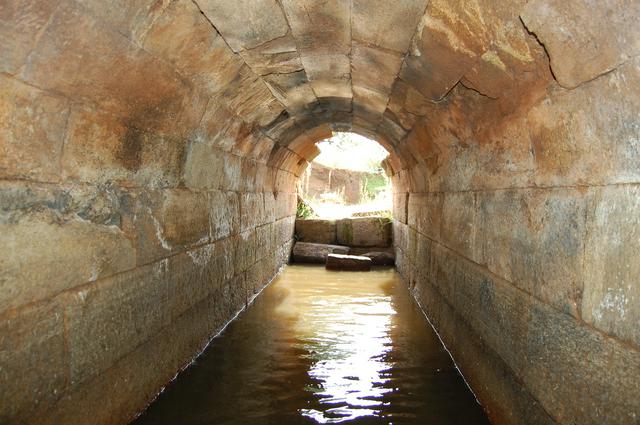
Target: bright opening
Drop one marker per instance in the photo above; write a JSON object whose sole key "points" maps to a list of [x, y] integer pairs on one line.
{"points": [[346, 180]]}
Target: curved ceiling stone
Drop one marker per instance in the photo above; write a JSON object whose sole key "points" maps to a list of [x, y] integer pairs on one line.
{"points": [[361, 65]]}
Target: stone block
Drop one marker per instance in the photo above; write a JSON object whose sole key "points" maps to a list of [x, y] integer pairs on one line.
{"points": [[380, 258], [245, 251], [365, 231], [246, 24], [169, 220], [192, 277], [611, 295], [251, 210], [316, 231], [224, 214], [104, 67], [390, 28], [21, 22], [185, 38], [305, 252], [33, 361], [348, 262], [264, 241], [460, 225], [535, 240], [32, 131], [225, 252], [578, 363], [110, 318], [42, 258], [101, 148], [586, 47]]}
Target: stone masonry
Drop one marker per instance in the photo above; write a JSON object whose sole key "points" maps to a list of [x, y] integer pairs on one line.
{"points": [[149, 153]]}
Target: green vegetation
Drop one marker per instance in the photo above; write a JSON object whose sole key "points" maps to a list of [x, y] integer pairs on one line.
{"points": [[304, 210], [373, 185]]}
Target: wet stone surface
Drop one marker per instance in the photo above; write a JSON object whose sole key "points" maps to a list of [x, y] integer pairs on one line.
{"points": [[323, 347]]}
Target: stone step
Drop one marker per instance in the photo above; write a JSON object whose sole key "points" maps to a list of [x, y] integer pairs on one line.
{"points": [[348, 262], [305, 252]]}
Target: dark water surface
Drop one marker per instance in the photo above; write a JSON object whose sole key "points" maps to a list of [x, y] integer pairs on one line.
{"points": [[323, 347]]}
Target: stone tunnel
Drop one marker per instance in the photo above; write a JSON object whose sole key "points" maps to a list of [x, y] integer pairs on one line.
{"points": [[149, 153]]}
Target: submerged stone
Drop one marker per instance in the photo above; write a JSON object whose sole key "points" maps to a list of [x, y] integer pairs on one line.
{"points": [[348, 262]]}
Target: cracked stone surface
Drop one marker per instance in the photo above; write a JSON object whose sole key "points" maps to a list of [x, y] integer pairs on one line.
{"points": [[149, 153]]}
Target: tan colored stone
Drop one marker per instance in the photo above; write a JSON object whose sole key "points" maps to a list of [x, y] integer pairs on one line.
{"points": [[246, 24], [364, 232], [33, 360], [306, 252], [100, 148], [224, 214], [184, 37], [348, 262], [374, 22], [21, 23], [32, 128], [611, 295], [83, 251], [316, 231], [110, 318], [587, 44]]}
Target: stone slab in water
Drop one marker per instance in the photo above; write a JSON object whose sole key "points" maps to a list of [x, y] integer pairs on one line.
{"points": [[380, 258], [305, 252], [348, 262]]}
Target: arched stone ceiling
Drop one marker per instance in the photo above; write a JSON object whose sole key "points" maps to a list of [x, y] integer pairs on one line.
{"points": [[369, 66]]}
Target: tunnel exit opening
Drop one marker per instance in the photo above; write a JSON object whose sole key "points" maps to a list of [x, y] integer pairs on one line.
{"points": [[346, 179]]}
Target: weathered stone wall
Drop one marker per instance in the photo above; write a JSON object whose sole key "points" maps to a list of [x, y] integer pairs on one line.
{"points": [[519, 231], [138, 208], [149, 151]]}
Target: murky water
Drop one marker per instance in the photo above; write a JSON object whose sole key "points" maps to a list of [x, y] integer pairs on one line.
{"points": [[323, 347]]}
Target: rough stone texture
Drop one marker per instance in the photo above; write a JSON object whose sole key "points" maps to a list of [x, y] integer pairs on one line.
{"points": [[364, 231], [316, 231], [581, 47], [348, 262], [168, 136], [380, 258], [305, 252]]}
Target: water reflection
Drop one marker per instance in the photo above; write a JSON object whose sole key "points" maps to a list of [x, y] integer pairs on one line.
{"points": [[323, 347]]}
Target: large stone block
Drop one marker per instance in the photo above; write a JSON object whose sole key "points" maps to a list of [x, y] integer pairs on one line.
{"points": [[32, 131], [246, 24], [365, 231], [535, 240], [306, 252], [105, 68], [193, 276], [168, 221], [33, 360], [110, 318], [391, 28], [101, 148], [316, 231], [21, 22], [611, 295], [251, 210], [42, 258], [224, 214], [581, 45], [348, 262], [589, 374], [460, 224], [184, 37], [245, 251]]}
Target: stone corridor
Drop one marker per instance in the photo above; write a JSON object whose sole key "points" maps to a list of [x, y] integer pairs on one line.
{"points": [[149, 153]]}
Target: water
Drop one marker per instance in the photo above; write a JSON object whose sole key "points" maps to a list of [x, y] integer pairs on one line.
{"points": [[323, 347]]}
